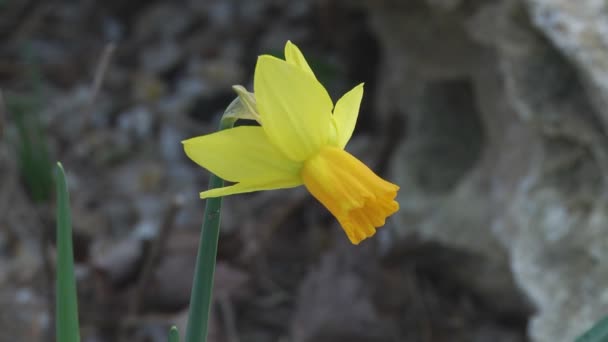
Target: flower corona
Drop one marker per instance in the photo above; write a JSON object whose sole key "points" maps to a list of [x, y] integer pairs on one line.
{"points": [[300, 141]]}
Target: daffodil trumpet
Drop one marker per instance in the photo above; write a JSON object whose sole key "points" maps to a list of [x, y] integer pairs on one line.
{"points": [[300, 141]]}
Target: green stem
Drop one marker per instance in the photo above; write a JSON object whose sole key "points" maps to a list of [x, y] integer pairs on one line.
{"points": [[202, 286]]}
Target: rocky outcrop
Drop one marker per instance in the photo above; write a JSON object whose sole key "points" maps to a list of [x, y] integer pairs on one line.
{"points": [[505, 155]]}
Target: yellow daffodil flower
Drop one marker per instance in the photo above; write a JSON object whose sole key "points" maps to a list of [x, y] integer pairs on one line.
{"points": [[300, 140]]}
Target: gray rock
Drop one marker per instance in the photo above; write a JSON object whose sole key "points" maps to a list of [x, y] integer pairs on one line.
{"points": [[559, 201], [506, 153], [137, 122], [320, 315], [164, 20], [579, 29], [161, 57], [23, 317]]}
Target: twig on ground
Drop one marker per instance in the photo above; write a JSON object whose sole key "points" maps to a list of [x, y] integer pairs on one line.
{"points": [[228, 317], [101, 69], [3, 115], [100, 72], [153, 257]]}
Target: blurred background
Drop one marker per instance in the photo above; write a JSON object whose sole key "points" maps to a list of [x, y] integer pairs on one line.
{"points": [[490, 114]]}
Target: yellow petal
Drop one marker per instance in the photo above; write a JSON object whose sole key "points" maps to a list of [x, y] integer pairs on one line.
{"points": [[346, 113], [294, 108], [354, 194], [294, 56], [242, 154], [251, 187]]}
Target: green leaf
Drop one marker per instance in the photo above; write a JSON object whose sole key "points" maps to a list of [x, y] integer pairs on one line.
{"points": [[597, 333], [32, 147], [66, 314], [30, 138], [173, 334]]}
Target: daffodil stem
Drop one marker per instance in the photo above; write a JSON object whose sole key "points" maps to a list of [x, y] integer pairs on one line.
{"points": [[202, 286]]}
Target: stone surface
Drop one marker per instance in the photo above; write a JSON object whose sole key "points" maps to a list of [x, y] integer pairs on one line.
{"points": [[319, 316], [580, 31], [506, 152]]}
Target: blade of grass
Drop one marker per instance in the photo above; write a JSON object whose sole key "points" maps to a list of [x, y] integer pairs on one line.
{"points": [[31, 142], [202, 286], [173, 334], [66, 306], [597, 333]]}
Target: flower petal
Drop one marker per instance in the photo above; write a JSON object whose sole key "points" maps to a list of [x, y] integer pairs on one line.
{"points": [[354, 194], [240, 188], [346, 113], [294, 108], [294, 56], [243, 107], [242, 154]]}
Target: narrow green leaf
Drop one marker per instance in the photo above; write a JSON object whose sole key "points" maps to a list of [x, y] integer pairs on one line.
{"points": [[173, 334], [597, 333], [31, 143], [66, 307]]}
